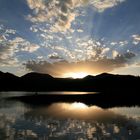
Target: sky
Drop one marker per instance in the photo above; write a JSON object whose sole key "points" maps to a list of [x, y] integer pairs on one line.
{"points": [[70, 36]]}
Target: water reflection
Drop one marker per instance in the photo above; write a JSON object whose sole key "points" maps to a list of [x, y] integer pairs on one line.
{"points": [[16, 93], [76, 110], [76, 93], [73, 121], [67, 93]]}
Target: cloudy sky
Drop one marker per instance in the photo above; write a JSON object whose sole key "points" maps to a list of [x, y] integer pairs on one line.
{"points": [[63, 36]]}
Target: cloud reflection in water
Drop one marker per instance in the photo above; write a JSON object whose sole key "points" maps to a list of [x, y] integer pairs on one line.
{"points": [[74, 121]]}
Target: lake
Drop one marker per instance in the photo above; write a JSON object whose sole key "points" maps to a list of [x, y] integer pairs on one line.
{"points": [[66, 120]]}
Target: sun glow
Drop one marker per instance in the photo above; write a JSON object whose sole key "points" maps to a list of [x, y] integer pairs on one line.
{"points": [[76, 110], [75, 74], [78, 105]]}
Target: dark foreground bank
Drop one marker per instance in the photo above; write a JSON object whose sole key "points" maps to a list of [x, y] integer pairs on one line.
{"points": [[104, 100]]}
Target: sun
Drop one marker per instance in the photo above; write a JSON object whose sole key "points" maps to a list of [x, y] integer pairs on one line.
{"points": [[75, 74]]}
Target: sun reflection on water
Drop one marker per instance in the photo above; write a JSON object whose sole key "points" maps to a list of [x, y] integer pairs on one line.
{"points": [[77, 110], [78, 105], [77, 93]]}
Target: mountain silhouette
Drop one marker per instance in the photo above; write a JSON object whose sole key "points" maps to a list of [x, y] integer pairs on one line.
{"points": [[36, 76], [44, 82]]}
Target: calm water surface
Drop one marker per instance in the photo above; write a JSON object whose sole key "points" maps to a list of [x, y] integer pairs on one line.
{"points": [[66, 121]]}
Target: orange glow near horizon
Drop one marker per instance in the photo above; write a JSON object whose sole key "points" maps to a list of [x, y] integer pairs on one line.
{"points": [[76, 75]]}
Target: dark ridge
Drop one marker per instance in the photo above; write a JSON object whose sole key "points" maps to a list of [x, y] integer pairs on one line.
{"points": [[44, 82], [35, 74], [1, 73], [105, 74], [89, 77], [7, 76]]}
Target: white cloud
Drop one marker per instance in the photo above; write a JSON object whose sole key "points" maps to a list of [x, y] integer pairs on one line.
{"points": [[123, 43], [114, 53], [135, 42], [105, 50], [92, 48], [2, 37], [102, 5], [113, 43], [80, 30], [119, 43], [31, 48], [10, 31], [5, 32], [33, 29], [136, 37]]}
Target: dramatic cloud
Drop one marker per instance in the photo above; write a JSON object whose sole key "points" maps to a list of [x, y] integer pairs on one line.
{"points": [[90, 66], [61, 13], [58, 12], [77, 34]]}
